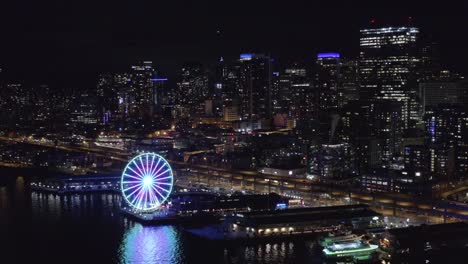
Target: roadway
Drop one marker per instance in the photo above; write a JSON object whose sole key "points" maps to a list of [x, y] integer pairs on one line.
{"points": [[257, 182]]}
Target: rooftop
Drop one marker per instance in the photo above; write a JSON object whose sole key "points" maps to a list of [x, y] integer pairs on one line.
{"points": [[309, 214]]}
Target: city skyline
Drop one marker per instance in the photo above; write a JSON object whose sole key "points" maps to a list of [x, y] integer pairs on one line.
{"points": [[291, 132], [60, 48]]}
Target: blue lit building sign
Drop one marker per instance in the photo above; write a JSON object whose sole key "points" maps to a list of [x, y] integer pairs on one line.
{"points": [[159, 79], [246, 56], [281, 206], [328, 55]]}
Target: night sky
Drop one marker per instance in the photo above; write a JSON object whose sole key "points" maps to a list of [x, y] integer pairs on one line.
{"points": [[69, 42]]}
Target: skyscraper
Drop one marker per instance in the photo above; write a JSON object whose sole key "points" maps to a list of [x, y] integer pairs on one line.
{"points": [[141, 89], [255, 86], [326, 82], [292, 92], [192, 90], [129, 99], [349, 82], [388, 62]]}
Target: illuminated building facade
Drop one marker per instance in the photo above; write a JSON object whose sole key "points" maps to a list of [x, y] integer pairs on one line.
{"points": [[447, 138], [141, 89], [192, 90], [349, 82], [374, 130], [387, 68], [292, 92], [326, 82], [255, 86], [131, 99]]}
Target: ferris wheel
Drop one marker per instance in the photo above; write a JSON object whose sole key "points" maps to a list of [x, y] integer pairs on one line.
{"points": [[147, 181]]}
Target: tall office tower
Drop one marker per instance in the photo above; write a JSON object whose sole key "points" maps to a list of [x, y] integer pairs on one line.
{"points": [[336, 81], [349, 82], [255, 86], [302, 95], [227, 83], [192, 90], [326, 82], [281, 93], [141, 89], [114, 100], [429, 66], [129, 100], [388, 63], [292, 92]]}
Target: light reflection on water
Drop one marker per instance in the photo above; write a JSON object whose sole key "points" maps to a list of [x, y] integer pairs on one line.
{"points": [[92, 222], [150, 244]]}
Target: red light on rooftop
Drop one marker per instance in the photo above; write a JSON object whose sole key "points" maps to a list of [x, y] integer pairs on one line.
{"points": [[372, 21]]}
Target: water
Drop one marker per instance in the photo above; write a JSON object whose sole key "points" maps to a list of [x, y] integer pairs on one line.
{"points": [[87, 228]]}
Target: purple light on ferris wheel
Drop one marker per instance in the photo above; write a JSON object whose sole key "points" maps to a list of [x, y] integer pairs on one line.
{"points": [[147, 181]]}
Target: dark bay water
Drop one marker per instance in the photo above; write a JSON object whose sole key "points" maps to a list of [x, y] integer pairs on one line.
{"points": [[87, 228]]}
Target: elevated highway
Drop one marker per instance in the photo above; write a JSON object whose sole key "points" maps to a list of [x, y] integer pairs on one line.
{"points": [[257, 182]]}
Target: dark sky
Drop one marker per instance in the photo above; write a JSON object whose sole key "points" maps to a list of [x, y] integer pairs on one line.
{"points": [[68, 42]]}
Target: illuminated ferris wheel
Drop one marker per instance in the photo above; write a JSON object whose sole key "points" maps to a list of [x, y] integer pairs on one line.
{"points": [[147, 181]]}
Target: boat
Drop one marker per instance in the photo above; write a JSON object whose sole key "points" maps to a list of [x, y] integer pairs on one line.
{"points": [[357, 249], [331, 238]]}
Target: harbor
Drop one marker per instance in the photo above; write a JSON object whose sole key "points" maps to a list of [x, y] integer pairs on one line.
{"points": [[349, 231]]}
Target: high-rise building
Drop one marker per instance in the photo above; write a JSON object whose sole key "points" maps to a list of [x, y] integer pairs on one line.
{"points": [[429, 66], [141, 89], [348, 88], [292, 92], [387, 68], [447, 136], [375, 123], [255, 86], [336, 81], [227, 83], [326, 82], [130, 99], [192, 90], [281, 93]]}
